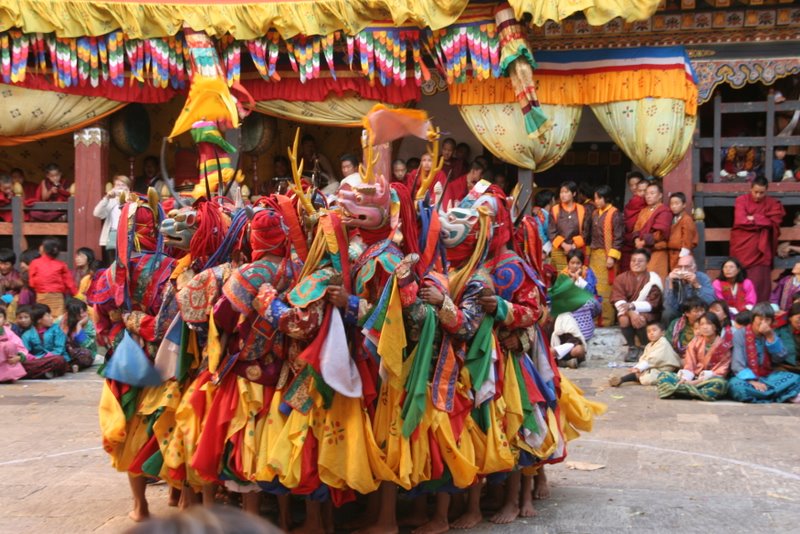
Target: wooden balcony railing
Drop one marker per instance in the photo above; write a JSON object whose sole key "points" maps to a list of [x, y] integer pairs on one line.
{"points": [[19, 229]]}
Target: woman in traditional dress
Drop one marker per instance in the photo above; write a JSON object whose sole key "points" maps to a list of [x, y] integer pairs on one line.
{"points": [[705, 367], [681, 330], [756, 350], [569, 225], [584, 278], [651, 230], [787, 289], [733, 286], [608, 232]]}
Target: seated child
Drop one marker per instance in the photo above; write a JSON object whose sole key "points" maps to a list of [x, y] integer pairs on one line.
{"points": [[73, 336], [26, 295], [23, 320], [681, 329], [658, 356], [40, 363], [10, 281], [6, 194], [51, 189], [12, 351]]}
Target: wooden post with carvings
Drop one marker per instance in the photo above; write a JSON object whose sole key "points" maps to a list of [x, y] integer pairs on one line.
{"points": [[91, 175]]}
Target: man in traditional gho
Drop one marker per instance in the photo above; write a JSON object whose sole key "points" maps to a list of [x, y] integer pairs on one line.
{"points": [[637, 296], [569, 225], [757, 349], [608, 232], [754, 236], [651, 230]]}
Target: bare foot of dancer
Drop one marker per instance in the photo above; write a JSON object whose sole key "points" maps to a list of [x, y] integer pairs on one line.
{"points": [[188, 498], [472, 516], [386, 507], [327, 517], [541, 489], [251, 502], [140, 510], [438, 524], [510, 509], [526, 508]]}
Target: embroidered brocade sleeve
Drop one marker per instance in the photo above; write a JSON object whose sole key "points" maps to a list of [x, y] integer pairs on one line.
{"points": [[463, 321]]}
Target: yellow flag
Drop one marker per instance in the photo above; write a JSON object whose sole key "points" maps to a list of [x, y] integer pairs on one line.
{"points": [[393, 335]]}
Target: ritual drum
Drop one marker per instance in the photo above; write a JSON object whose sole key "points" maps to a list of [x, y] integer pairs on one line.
{"points": [[258, 133], [130, 129]]}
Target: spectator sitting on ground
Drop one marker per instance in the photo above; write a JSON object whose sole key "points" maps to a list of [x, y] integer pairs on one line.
{"points": [[584, 278], [790, 336], [50, 278], [723, 312], [786, 289], [658, 357], [637, 297], [40, 363], [10, 281], [23, 320], [683, 282], [73, 336], [757, 349], [12, 350], [26, 294], [705, 366], [573, 309], [733, 286], [681, 330]]}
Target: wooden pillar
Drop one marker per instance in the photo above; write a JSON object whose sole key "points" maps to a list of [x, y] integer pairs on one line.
{"points": [[91, 175], [680, 179]]}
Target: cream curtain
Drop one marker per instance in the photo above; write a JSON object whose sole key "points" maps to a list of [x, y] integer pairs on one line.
{"points": [[654, 132], [501, 129], [346, 110], [30, 115]]}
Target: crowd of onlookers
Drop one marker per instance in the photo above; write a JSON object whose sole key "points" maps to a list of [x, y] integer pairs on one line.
{"points": [[46, 328]]}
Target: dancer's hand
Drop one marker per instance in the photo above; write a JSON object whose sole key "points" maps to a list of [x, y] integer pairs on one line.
{"points": [[337, 296]]}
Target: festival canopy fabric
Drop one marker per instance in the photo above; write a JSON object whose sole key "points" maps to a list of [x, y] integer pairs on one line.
{"points": [[249, 20], [587, 77]]}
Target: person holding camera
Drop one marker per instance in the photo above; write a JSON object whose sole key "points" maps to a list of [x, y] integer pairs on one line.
{"points": [[109, 210], [683, 282]]}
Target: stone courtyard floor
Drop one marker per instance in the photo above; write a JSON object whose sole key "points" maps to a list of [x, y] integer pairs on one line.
{"points": [[676, 466]]}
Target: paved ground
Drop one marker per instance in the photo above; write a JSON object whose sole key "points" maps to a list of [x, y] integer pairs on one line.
{"points": [[669, 465]]}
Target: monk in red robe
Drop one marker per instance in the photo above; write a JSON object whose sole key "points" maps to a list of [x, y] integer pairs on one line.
{"points": [[630, 214], [651, 230], [754, 235]]}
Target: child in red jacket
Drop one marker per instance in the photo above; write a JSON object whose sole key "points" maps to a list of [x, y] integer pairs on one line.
{"points": [[50, 278]]}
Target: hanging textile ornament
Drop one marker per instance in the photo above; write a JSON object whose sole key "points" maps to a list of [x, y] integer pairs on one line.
{"points": [[517, 62], [19, 56], [5, 57], [258, 53]]}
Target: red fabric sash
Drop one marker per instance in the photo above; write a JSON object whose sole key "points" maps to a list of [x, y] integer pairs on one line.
{"points": [[760, 369], [737, 301]]}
